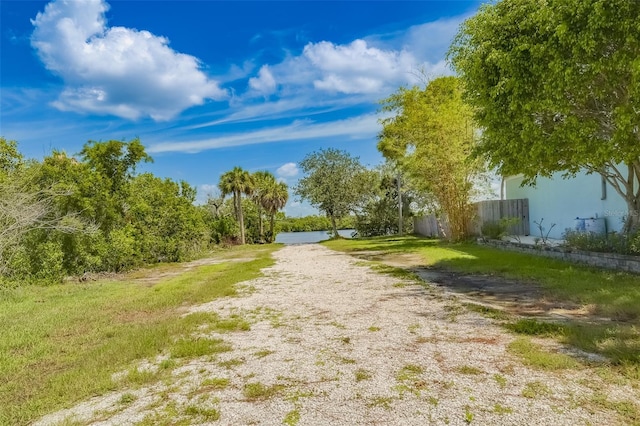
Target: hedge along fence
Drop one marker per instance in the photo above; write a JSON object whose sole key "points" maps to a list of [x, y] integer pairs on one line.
{"points": [[618, 262], [484, 211]]}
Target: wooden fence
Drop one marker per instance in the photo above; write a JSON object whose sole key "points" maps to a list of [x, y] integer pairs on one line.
{"points": [[485, 211]]}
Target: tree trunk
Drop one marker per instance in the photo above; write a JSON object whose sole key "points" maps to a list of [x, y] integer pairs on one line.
{"points": [[628, 187], [241, 219], [335, 227], [632, 221], [272, 227], [260, 225]]}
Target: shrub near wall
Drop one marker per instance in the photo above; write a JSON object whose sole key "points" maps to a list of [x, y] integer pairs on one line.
{"points": [[613, 261], [609, 243]]}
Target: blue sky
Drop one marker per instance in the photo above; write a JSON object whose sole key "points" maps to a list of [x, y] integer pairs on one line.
{"points": [[209, 85]]}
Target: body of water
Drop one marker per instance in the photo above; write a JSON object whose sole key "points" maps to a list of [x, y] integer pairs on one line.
{"points": [[309, 237]]}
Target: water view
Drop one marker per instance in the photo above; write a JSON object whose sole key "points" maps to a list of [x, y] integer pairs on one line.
{"points": [[309, 237]]}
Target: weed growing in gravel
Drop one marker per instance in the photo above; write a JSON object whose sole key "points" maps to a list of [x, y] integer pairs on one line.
{"points": [[501, 409], [467, 369], [535, 389], [70, 421], [168, 416], [337, 324], [292, 418], [535, 356], [202, 413], [373, 328], [409, 372], [214, 383], [468, 415], [380, 401], [500, 380], [297, 395], [345, 360], [362, 374], [453, 310], [230, 363], [263, 353], [256, 390], [413, 328], [127, 398]]}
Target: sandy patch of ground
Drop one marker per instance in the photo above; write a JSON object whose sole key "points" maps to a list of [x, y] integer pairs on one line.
{"points": [[334, 343]]}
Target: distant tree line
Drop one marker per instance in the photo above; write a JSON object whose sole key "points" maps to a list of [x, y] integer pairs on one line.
{"points": [[312, 223]]}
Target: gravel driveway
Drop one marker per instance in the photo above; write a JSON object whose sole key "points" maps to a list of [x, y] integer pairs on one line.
{"points": [[333, 342]]}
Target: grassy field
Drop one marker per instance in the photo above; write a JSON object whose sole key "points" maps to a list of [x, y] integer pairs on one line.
{"points": [[63, 343], [610, 294]]}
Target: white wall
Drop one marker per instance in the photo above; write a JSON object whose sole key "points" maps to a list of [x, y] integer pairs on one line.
{"points": [[560, 201]]}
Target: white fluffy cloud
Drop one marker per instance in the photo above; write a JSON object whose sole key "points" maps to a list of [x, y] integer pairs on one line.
{"points": [[116, 70], [363, 67], [264, 83], [358, 67], [287, 170]]}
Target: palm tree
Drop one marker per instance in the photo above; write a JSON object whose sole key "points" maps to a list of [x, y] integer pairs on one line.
{"points": [[274, 199], [237, 182], [263, 180]]}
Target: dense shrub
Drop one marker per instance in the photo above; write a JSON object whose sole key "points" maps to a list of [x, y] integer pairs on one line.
{"points": [[493, 230], [610, 243], [98, 215]]}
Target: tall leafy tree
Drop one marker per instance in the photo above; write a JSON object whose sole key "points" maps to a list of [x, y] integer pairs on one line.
{"points": [[431, 136], [335, 183], [237, 182], [379, 215], [263, 181], [274, 198], [556, 87], [112, 165]]}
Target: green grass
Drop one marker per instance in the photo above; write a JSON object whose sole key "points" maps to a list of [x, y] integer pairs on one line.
{"points": [[62, 343], [535, 356], [196, 347], [615, 295], [487, 311], [532, 327]]}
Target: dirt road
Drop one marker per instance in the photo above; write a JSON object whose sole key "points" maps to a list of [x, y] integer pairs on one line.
{"points": [[332, 342]]}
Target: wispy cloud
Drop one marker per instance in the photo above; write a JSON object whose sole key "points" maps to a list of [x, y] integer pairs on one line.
{"points": [[115, 70], [354, 128]]}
